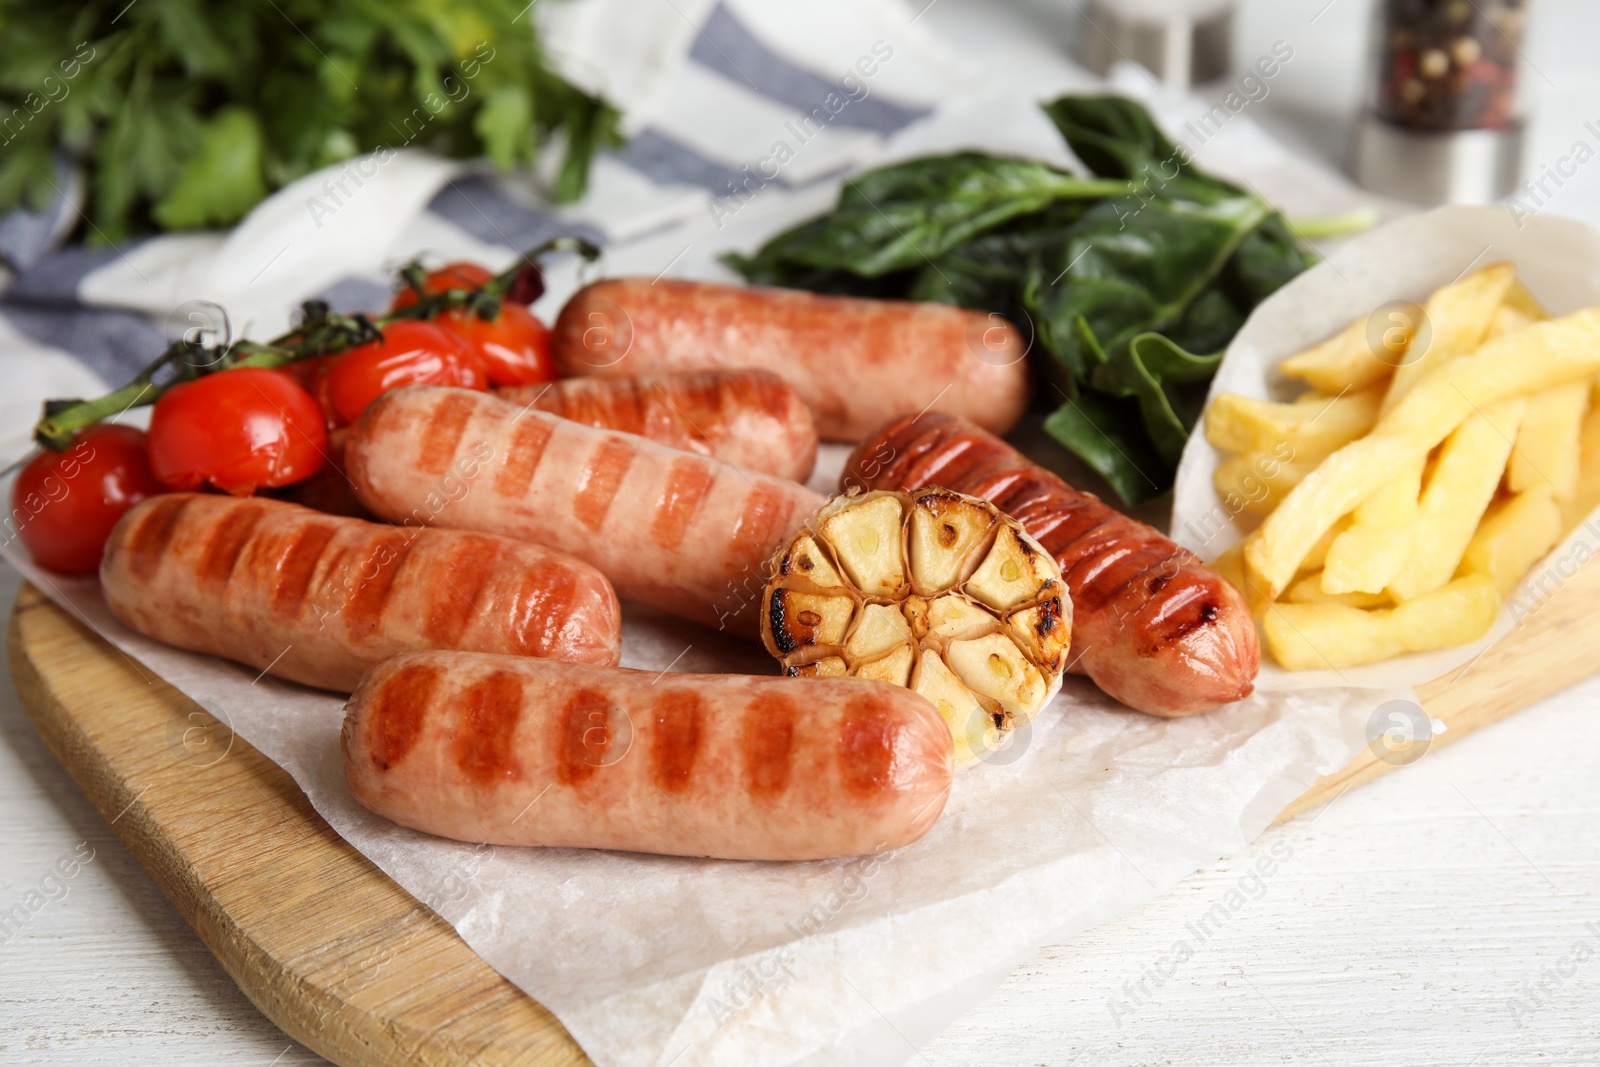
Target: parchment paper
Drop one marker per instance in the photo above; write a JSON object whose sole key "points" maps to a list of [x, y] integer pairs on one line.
{"points": [[653, 960], [1558, 259]]}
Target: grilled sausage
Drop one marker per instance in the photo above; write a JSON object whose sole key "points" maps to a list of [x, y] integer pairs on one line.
{"points": [[520, 752], [750, 418], [320, 598], [680, 532], [1152, 624], [857, 363]]}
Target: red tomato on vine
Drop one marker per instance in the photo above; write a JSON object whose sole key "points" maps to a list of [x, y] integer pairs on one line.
{"points": [[65, 502], [238, 430]]}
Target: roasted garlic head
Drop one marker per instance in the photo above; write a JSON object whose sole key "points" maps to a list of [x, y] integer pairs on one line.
{"points": [[933, 590]]}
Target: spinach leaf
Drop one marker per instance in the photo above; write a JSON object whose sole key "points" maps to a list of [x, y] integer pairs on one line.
{"points": [[1132, 267], [1265, 262], [989, 272], [1115, 137], [909, 214], [1105, 433], [1123, 278]]}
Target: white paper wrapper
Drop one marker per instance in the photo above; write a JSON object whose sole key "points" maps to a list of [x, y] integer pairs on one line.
{"points": [[1558, 260], [653, 960]]}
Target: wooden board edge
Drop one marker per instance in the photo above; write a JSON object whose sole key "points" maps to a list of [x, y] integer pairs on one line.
{"points": [[498, 1024], [1541, 656]]}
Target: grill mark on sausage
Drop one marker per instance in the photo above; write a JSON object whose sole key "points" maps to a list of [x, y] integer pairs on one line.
{"points": [[373, 582], [675, 739], [296, 565], [692, 403], [399, 710], [442, 434], [1148, 577], [623, 406], [147, 545], [763, 392], [1106, 575], [688, 482], [463, 577], [768, 744], [523, 453], [227, 541], [545, 598], [584, 740], [600, 480], [484, 746], [1189, 607], [757, 526], [866, 747]]}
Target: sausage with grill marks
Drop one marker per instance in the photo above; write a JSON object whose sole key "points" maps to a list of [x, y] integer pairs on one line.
{"points": [[1153, 626], [677, 531], [855, 362], [320, 598], [750, 418], [521, 752]]}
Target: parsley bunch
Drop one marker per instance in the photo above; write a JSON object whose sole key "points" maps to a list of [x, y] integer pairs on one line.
{"points": [[186, 113]]}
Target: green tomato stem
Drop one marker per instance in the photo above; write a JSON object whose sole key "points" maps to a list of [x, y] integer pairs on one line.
{"points": [[322, 333]]}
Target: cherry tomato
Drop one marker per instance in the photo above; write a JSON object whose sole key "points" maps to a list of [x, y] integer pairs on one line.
{"points": [[411, 353], [65, 503], [450, 276], [239, 430], [515, 346], [312, 375]]}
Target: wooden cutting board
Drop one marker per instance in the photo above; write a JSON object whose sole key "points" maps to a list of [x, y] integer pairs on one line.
{"points": [[351, 965]]}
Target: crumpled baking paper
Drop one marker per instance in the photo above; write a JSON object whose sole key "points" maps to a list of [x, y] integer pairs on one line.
{"points": [[652, 960], [1558, 259]]}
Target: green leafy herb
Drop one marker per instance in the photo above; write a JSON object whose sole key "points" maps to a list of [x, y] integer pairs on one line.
{"points": [[1133, 281], [186, 113]]}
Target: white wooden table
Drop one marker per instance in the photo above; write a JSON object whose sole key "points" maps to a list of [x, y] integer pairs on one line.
{"points": [[1447, 914]]}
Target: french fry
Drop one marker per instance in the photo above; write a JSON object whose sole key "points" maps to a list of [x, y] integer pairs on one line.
{"points": [[1308, 590], [1519, 299], [1548, 445], [1587, 495], [1255, 483], [1542, 356], [1305, 637], [1317, 558], [1343, 361], [1513, 536], [1459, 318], [1509, 320], [1380, 540], [1463, 483], [1313, 426]]}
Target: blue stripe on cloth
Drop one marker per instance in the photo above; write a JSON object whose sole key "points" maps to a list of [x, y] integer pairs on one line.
{"points": [[480, 207], [113, 343], [349, 295], [25, 237], [55, 278], [668, 161], [727, 47]]}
